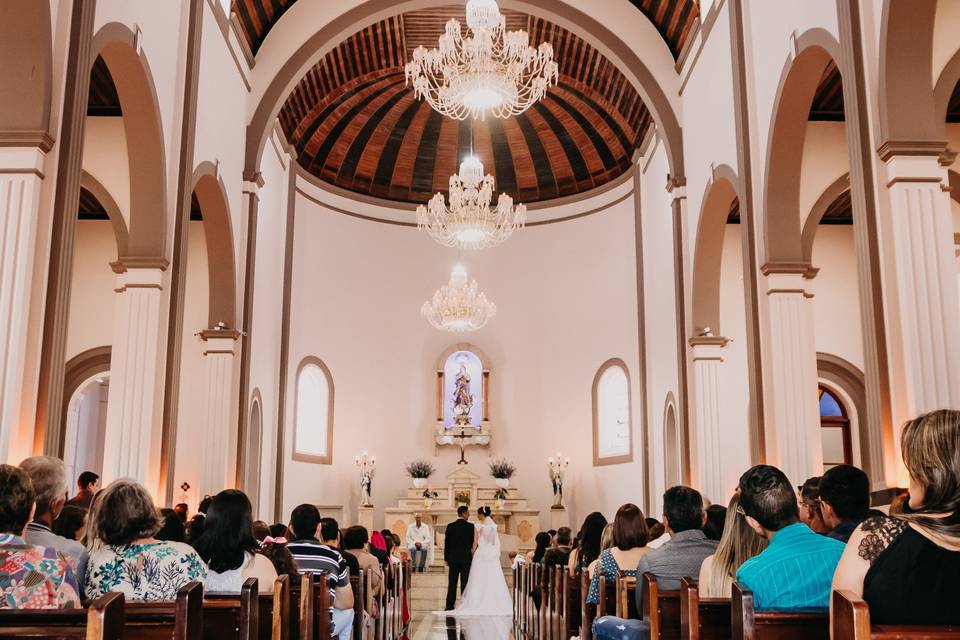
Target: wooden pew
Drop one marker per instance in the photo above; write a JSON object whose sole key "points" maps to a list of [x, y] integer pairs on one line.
{"points": [[851, 621], [661, 610], [749, 624], [702, 618], [300, 619], [626, 596], [229, 616], [571, 604], [274, 613], [588, 612], [102, 620], [181, 619], [359, 585]]}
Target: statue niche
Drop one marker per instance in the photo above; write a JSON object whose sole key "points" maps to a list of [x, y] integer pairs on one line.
{"points": [[463, 399]]}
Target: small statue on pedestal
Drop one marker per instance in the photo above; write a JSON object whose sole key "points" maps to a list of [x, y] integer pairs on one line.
{"points": [[462, 398], [366, 464], [558, 468]]}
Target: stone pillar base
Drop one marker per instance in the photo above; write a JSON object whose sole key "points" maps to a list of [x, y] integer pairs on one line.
{"points": [[365, 518], [559, 518]]}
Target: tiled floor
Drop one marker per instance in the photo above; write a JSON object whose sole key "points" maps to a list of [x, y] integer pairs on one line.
{"points": [[427, 626]]}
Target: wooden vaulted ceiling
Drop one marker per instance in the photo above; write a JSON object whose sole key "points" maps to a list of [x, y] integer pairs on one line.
{"points": [[355, 123], [674, 19]]}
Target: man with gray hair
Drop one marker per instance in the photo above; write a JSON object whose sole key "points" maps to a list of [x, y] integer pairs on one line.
{"points": [[49, 478]]}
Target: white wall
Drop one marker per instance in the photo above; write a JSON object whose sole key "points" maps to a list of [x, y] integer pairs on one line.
{"points": [[90, 322], [566, 297], [836, 302]]}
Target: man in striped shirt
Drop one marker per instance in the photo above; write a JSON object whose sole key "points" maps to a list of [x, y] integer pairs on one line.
{"points": [[796, 569], [321, 556]]}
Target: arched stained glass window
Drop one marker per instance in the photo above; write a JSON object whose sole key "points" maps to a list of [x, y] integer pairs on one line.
{"points": [[834, 430], [313, 419], [612, 433]]}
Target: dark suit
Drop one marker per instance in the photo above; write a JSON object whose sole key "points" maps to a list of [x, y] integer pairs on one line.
{"points": [[458, 554]]}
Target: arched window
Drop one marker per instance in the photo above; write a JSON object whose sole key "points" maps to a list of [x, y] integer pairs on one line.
{"points": [[834, 430], [612, 433], [313, 421]]}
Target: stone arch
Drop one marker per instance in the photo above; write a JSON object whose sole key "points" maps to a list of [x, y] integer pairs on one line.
{"points": [[78, 370], [673, 470], [907, 102], [788, 127], [719, 195], [128, 66], [26, 74], [850, 379], [836, 189], [91, 184], [253, 450], [367, 12], [218, 233]]}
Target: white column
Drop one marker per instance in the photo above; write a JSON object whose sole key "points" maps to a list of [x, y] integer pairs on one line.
{"points": [[794, 442], [20, 181], [708, 371], [921, 283], [218, 410], [132, 439]]}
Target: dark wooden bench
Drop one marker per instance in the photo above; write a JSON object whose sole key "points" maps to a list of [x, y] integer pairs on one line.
{"points": [[588, 611], [571, 603], [274, 615], [661, 610], [181, 619], [102, 620], [232, 616], [851, 621], [748, 624], [360, 586], [310, 617], [702, 618]]}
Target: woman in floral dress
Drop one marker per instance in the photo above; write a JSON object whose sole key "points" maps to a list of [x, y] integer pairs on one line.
{"points": [[130, 559], [31, 577]]}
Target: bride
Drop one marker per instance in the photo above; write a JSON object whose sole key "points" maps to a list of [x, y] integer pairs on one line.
{"points": [[486, 593]]}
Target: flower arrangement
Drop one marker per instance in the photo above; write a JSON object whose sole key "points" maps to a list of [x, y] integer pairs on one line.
{"points": [[430, 495], [502, 469], [462, 497], [420, 469], [500, 494]]}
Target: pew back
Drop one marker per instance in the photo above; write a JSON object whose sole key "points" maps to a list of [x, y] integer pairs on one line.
{"points": [[661, 609], [702, 618], [851, 620], [103, 620], [749, 624], [229, 616]]}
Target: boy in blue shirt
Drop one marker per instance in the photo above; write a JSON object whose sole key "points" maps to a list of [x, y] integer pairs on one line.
{"points": [[795, 571]]}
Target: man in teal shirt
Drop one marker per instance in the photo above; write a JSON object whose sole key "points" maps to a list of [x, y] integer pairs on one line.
{"points": [[795, 571]]}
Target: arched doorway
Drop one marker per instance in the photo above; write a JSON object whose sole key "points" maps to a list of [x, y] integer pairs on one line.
{"points": [[252, 452], [86, 392]]}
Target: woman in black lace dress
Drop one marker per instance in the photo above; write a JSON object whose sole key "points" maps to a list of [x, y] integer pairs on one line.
{"points": [[907, 567]]}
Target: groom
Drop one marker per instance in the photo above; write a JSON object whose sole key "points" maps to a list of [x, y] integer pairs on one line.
{"points": [[458, 554]]}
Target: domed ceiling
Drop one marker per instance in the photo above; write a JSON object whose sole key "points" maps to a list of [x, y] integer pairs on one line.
{"points": [[355, 124]]}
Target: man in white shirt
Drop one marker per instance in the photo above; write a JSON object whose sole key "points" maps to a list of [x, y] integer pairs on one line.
{"points": [[418, 543]]}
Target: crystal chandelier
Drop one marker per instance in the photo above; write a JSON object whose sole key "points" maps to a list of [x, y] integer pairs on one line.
{"points": [[470, 223], [458, 306], [492, 71]]}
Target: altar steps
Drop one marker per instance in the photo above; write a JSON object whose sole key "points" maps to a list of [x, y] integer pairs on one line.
{"points": [[428, 591]]}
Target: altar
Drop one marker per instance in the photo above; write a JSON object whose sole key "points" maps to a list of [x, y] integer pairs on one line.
{"points": [[517, 522]]}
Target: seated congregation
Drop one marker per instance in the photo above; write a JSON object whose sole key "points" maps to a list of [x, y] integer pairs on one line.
{"points": [[813, 561], [252, 580]]}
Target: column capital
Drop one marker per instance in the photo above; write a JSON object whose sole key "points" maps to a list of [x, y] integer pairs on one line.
{"points": [[36, 139], [21, 159], [219, 334], [127, 263], [927, 148], [676, 186], [804, 269], [709, 341], [252, 183]]}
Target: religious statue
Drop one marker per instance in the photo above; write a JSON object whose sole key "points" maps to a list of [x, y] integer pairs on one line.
{"points": [[367, 465], [558, 468], [462, 398]]}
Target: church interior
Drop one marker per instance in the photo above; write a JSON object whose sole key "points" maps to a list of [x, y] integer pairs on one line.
{"points": [[387, 258]]}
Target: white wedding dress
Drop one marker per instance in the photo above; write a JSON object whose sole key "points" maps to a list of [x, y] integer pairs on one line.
{"points": [[486, 593]]}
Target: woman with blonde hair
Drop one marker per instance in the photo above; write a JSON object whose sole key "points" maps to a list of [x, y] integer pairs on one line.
{"points": [[907, 567], [738, 544]]}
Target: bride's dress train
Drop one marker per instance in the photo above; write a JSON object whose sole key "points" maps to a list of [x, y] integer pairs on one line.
{"points": [[486, 593]]}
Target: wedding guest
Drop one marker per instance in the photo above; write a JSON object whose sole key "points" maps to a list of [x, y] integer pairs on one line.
{"points": [[71, 523], [275, 550], [87, 484], [716, 521], [556, 556], [229, 548], [418, 542], [907, 566], [541, 544], [48, 475], [378, 548], [183, 511], [844, 500], [795, 570], [809, 496], [260, 530], [355, 541], [280, 530], [171, 527], [588, 549], [738, 544], [606, 542], [131, 560], [31, 576], [630, 535]]}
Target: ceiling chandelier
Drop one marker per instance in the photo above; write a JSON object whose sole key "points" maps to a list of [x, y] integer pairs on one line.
{"points": [[469, 222], [458, 306], [492, 71]]}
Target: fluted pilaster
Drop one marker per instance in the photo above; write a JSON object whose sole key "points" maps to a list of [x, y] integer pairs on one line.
{"points": [[218, 405], [708, 372], [794, 442], [20, 182], [132, 442]]}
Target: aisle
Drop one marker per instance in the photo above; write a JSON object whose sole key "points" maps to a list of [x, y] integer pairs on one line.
{"points": [[426, 626]]}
